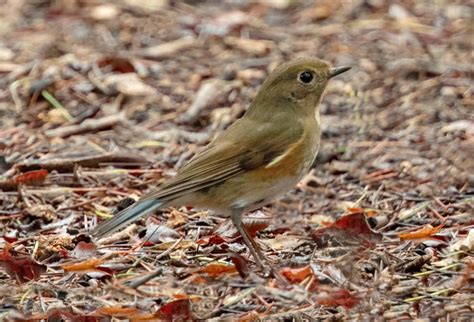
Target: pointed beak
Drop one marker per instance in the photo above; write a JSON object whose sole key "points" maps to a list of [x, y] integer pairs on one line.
{"points": [[338, 70]]}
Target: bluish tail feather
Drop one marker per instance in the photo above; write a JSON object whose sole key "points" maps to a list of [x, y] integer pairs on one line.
{"points": [[125, 217]]}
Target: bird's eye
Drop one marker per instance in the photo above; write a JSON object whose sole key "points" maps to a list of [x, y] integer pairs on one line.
{"points": [[306, 77]]}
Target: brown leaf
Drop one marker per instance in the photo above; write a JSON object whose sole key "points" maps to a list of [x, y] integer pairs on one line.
{"points": [[179, 310], [22, 268], [117, 64], [253, 223], [241, 265], [338, 297], [347, 228], [60, 314], [296, 275]]}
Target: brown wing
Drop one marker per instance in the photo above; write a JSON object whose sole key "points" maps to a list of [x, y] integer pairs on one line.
{"points": [[236, 151]]}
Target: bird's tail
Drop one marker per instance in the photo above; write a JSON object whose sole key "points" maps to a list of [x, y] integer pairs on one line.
{"points": [[125, 217]]}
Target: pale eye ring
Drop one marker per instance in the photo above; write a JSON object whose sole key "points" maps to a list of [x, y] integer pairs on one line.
{"points": [[306, 77]]}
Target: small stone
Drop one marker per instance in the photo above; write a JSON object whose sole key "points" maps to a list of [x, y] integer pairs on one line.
{"points": [[448, 91], [105, 12]]}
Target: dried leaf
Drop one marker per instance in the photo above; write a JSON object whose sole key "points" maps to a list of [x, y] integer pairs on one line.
{"points": [[353, 223], [61, 314], [296, 275], [117, 64], [283, 242], [129, 84], [169, 48], [339, 297], [10, 239], [420, 233], [31, 177], [216, 269], [91, 265], [176, 219], [83, 250], [241, 265], [179, 310], [255, 222], [21, 268], [53, 244], [117, 311], [159, 234], [208, 94], [347, 229], [225, 23], [104, 12], [465, 243], [226, 230], [251, 46]]}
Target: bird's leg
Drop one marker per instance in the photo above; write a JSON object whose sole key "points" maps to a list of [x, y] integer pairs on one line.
{"points": [[254, 248]]}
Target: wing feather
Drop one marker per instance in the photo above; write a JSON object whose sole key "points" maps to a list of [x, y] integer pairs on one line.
{"points": [[225, 158]]}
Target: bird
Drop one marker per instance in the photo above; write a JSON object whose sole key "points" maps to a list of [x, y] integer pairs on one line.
{"points": [[259, 157]]}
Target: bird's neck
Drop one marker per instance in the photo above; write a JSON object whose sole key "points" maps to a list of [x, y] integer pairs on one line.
{"points": [[266, 108]]}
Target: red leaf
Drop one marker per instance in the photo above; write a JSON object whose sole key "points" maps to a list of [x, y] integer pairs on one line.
{"points": [[296, 275], [347, 229], [241, 265], [22, 268], [340, 297], [216, 240], [10, 239], [353, 223], [179, 310], [212, 240], [31, 177], [84, 250]]}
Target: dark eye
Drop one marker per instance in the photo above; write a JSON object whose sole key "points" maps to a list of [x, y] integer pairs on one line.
{"points": [[306, 77]]}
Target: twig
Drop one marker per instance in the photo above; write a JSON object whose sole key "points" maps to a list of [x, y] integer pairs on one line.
{"points": [[142, 280], [89, 125]]}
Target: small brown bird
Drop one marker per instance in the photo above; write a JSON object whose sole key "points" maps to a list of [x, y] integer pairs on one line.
{"points": [[260, 156]]}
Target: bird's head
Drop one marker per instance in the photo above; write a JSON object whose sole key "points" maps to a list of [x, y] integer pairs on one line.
{"points": [[300, 82]]}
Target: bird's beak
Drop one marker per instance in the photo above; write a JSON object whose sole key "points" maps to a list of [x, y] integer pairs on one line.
{"points": [[337, 70]]}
